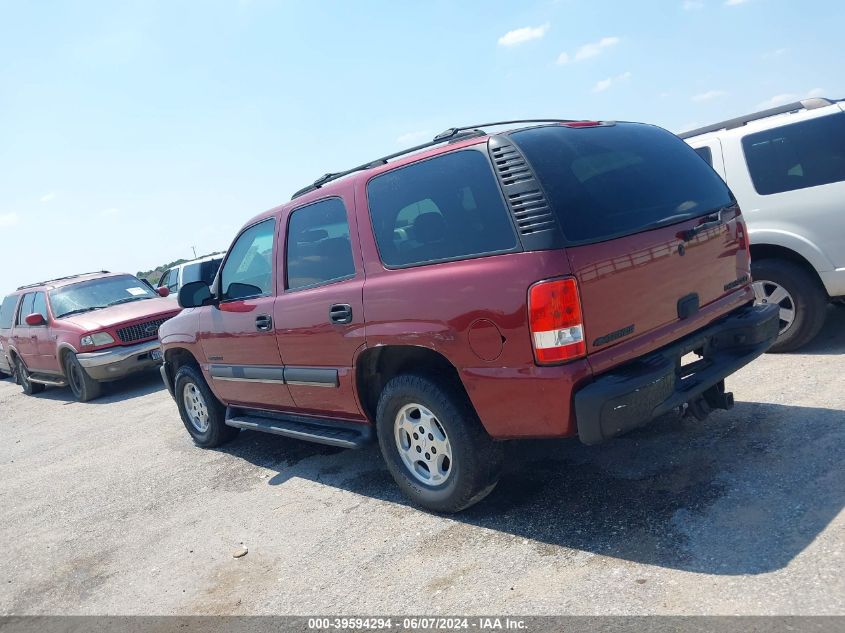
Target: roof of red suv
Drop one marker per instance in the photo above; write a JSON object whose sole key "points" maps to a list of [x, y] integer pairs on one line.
{"points": [[448, 141], [70, 279]]}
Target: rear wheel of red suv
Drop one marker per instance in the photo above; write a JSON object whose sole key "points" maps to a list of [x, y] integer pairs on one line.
{"points": [[434, 444], [84, 387], [203, 415], [29, 388]]}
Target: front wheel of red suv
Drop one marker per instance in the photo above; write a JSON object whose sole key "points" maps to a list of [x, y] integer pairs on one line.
{"points": [[29, 388], [203, 415], [434, 444], [84, 387]]}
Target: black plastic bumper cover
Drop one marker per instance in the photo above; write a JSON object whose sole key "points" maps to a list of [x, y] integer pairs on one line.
{"points": [[637, 392]]}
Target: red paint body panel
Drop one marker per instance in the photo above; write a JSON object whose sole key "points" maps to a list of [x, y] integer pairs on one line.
{"points": [[638, 279]]}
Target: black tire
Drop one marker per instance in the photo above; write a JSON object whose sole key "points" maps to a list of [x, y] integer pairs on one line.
{"points": [[809, 300], [29, 388], [476, 458], [216, 433], [84, 387]]}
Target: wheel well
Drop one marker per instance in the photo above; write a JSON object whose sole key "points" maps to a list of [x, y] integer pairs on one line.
{"points": [[376, 366], [769, 251], [62, 355], [179, 357]]}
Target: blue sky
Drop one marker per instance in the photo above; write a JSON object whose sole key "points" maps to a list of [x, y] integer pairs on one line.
{"points": [[132, 131]]}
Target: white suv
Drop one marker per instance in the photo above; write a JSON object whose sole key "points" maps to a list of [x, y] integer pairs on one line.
{"points": [[786, 167], [202, 269]]}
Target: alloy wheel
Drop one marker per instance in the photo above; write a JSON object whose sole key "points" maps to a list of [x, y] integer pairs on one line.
{"points": [[767, 292], [195, 407], [423, 445]]}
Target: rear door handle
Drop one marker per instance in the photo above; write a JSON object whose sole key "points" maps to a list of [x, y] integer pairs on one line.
{"points": [[263, 322], [340, 313]]}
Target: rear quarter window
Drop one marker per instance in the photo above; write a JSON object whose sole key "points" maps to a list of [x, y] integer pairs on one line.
{"points": [[797, 156], [441, 209], [706, 154], [609, 181]]}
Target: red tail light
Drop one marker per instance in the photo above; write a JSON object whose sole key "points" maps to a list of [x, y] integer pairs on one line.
{"points": [[554, 318]]}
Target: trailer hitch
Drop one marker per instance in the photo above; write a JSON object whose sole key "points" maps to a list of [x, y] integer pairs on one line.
{"points": [[714, 398]]}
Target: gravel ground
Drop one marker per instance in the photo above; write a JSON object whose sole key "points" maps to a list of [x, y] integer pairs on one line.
{"points": [[108, 508]]}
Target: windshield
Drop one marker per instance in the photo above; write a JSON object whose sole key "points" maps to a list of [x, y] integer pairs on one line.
{"points": [[609, 181], [98, 293]]}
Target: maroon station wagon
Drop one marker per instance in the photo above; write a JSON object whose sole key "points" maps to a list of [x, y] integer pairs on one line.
{"points": [[542, 282]]}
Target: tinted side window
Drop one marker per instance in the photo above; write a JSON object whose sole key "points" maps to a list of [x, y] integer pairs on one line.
{"points": [[318, 246], [248, 272], [209, 269], [706, 154], [806, 154], [39, 305], [25, 308], [170, 280], [7, 311], [448, 207]]}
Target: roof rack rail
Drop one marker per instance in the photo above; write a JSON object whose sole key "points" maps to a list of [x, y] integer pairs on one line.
{"points": [[730, 124], [451, 135], [49, 281]]}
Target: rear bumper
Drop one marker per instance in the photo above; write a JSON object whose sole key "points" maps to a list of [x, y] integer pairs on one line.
{"points": [[117, 362], [637, 392]]}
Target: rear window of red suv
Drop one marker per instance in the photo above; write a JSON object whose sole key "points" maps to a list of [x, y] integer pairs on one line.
{"points": [[445, 208], [613, 180]]}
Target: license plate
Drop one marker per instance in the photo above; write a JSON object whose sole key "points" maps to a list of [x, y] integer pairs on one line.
{"points": [[155, 354]]}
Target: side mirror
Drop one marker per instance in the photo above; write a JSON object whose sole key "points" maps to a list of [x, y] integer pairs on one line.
{"points": [[194, 295], [163, 291], [238, 290], [35, 320]]}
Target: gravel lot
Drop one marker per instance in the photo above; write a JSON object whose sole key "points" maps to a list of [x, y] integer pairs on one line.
{"points": [[107, 508]]}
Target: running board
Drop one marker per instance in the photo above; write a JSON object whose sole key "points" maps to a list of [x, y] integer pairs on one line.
{"points": [[50, 382], [319, 430]]}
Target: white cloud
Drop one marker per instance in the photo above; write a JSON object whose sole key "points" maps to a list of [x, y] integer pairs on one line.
{"points": [[595, 48], [47, 197], [733, 3], [780, 52], [789, 97], [9, 219], [709, 95], [109, 213], [525, 34], [604, 84], [692, 5], [412, 137], [588, 50], [777, 100]]}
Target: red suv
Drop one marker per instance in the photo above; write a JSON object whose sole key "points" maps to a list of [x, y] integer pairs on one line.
{"points": [[82, 331], [542, 282]]}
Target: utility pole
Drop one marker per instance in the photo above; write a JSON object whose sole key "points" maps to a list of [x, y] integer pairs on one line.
{"points": [[194, 248]]}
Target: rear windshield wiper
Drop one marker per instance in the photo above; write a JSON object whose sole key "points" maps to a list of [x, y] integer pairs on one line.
{"points": [[80, 311], [712, 220]]}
